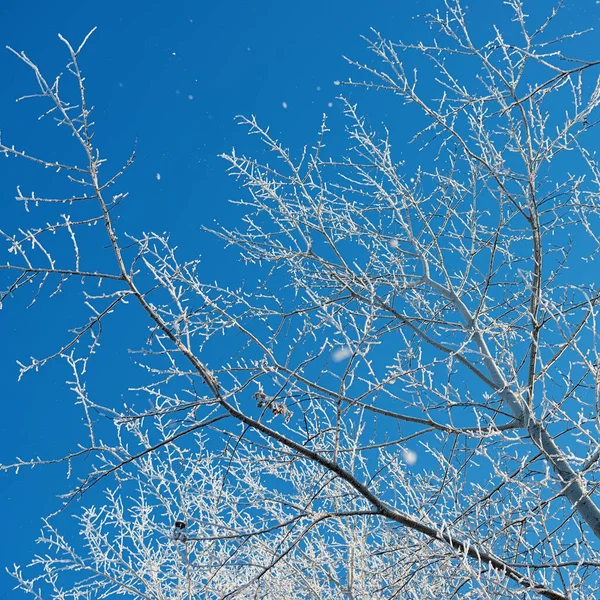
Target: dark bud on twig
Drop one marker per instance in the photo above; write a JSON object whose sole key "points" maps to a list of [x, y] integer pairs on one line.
{"points": [[179, 532]]}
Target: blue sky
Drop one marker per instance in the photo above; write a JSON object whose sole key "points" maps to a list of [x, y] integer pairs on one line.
{"points": [[171, 75]]}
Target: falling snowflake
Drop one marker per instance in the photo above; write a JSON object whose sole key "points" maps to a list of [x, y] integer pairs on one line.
{"points": [[158, 177], [284, 104], [409, 456], [330, 104], [341, 353]]}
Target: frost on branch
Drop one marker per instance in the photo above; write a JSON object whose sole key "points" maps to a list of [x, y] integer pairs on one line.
{"points": [[385, 313]]}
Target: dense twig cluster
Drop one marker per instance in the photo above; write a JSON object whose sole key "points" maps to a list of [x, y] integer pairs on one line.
{"points": [[435, 311]]}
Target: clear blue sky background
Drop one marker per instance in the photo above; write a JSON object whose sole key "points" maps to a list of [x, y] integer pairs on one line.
{"points": [[172, 75]]}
